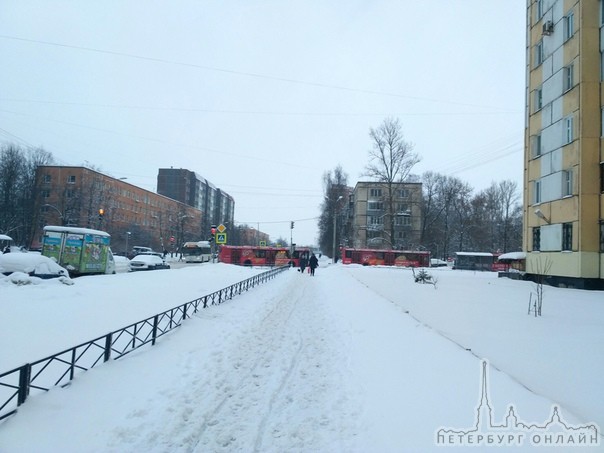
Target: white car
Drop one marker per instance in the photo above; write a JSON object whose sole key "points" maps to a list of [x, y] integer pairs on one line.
{"points": [[32, 264], [147, 263]]}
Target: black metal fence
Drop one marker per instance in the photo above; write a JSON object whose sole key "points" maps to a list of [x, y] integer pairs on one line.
{"points": [[59, 369]]}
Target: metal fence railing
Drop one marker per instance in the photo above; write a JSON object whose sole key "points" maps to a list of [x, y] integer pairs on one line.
{"points": [[59, 369]]}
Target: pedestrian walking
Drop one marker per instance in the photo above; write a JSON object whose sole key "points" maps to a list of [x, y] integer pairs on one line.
{"points": [[302, 264], [313, 263]]}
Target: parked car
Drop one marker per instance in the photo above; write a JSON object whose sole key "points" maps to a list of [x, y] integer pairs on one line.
{"points": [[148, 262], [435, 262], [32, 264]]}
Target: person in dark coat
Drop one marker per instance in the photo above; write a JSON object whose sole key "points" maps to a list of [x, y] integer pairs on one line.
{"points": [[302, 263], [313, 263]]}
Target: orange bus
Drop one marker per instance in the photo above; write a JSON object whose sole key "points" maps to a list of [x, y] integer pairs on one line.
{"points": [[373, 257], [249, 255]]}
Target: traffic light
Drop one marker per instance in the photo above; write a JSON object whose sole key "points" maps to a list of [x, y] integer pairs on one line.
{"points": [[101, 214], [292, 225]]}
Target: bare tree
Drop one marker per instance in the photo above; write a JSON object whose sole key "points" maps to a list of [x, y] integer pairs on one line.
{"points": [[391, 160], [335, 187], [18, 212]]}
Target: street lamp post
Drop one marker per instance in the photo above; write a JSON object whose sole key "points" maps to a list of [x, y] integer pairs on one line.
{"points": [[58, 211], [127, 237]]}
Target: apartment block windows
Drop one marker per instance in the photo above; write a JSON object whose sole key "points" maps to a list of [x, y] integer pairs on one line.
{"points": [[536, 145], [567, 236], [375, 206], [375, 192], [568, 77], [567, 183], [537, 192], [538, 53], [536, 239], [569, 26], [46, 179], [45, 193], [538, 99], [568, 129], [403, 193], [71, 179]]}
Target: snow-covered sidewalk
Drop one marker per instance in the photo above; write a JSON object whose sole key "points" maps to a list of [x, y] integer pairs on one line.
{"points": [[353, 359]]}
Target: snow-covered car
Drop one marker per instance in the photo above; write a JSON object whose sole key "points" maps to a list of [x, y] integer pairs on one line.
{"points": [[147, 263], [32, 264], [435, 262], [122, 264]]}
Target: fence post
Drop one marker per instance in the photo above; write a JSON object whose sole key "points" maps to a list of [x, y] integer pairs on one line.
{"points": [[24, 377], [154, 335], [72, 364], [108, 341]]}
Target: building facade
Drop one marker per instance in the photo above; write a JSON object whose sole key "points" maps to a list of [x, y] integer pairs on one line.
{"points": [[382, 220], [79, 196], [563, 169], [188, 187]]}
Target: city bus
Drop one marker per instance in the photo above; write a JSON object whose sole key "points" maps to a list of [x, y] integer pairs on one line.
{"points": [[478, 261], [248, 255], [373, 257], [197, 252]]}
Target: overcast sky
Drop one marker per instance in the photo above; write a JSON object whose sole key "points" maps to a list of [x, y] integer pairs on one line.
{"points": [[263, 97]]}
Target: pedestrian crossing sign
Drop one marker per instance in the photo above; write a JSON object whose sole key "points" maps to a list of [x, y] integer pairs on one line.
{"points": [[221, 238]]}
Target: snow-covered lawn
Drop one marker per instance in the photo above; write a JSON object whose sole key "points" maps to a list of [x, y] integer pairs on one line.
{"points": [[354, 359]]}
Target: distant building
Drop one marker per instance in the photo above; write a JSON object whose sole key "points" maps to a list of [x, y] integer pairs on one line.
{"points": [[188, 187], [564, 158], [79, 196], [374, 226]]}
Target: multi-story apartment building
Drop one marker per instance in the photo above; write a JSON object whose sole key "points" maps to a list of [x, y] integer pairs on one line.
{"points": [[188, 187], [563, 163], [79, 196], [377, 224]]}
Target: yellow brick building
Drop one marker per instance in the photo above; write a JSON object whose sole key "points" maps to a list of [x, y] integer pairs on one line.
{"points": [[563, 169]]}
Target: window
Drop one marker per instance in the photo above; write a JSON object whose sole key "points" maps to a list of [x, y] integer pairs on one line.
{"points": [[568, 77], [539, 9], [601, 237], [567, 236], [537, 195], [375, 206], [403, 193], [569, 26], [538, 99], [402, 221], [568, 129], [602, 177], [567, 183], [47, 179], [401, 235], [375, 220], [539, 53], [375, 192], [71, 179], [45, 193], [536, 145], [536, 239], [402, 207], [69, 193]]}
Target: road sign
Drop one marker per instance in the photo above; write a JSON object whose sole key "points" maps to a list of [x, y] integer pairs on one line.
{"points": [[262, 243], [221, 238], [221, 228]]}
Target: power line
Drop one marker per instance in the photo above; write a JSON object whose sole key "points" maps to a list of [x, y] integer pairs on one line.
{"points": [[240, 73]]}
